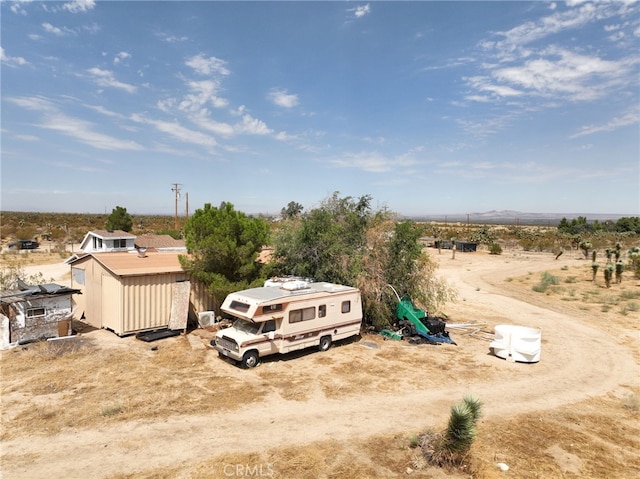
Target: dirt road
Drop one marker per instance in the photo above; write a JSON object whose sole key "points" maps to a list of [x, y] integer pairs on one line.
{"points": [[578, 361]]}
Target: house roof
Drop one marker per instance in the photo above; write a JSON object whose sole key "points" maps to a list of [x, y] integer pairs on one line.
{"points": [[116, 234], [158, 242], [131, 264]]}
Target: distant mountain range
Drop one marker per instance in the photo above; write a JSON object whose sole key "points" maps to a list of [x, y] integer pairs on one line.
{"points": [[514, 217]]}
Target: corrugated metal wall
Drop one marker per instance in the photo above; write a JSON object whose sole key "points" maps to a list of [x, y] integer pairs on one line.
{"points": [[201, 300], [146, 301]]}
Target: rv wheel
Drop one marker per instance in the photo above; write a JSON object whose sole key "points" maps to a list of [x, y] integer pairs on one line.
{"points": [[250, 359], [325, 343]]}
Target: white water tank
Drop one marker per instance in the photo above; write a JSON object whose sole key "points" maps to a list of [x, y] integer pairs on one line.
{"points": [[517, 343]]}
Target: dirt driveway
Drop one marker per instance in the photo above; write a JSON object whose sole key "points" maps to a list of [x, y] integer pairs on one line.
{"points": [[357, 390]]}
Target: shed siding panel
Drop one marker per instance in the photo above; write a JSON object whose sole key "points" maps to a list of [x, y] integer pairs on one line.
{"points": [[201, 299], [111, 306], [93, 294], [147, 301]]}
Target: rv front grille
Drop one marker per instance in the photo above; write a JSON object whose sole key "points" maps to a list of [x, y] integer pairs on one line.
{"points": [[227, 343]]}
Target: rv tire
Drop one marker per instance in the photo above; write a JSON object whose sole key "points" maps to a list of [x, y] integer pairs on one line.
{"points": [[325, 343], [250, 359]]}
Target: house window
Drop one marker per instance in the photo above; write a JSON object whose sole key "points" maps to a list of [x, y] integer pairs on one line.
{"points": [[346, 306], [97, 243], [120, 243], [304, 314], [35, 312]]}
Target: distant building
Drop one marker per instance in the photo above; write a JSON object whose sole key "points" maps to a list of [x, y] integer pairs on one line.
{"points": [[153, 242], [104, 240]]}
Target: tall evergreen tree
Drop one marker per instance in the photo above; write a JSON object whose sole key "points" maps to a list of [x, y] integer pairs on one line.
{"points": [[119, 219], [223, 246]]}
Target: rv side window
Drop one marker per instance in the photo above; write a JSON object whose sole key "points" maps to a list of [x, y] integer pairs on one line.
{"points": [[322, 310], [271, 308], [269, 326], [304, 314], [346, 306], [238, 306]]}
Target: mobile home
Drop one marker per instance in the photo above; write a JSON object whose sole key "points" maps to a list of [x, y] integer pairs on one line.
{"points": [[287, 316]]}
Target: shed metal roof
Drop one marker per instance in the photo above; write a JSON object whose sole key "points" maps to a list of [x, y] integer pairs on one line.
{"points": [[131, 264]]}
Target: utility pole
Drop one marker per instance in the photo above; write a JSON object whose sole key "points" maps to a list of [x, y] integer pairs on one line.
{"points": [[186, 197], [176, 191]]}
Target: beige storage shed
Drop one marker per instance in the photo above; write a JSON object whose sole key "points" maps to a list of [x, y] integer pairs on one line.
{"points": [[129, 293]]}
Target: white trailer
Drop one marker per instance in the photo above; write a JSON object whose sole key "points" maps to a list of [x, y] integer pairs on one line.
{"points": [[287, 316]]}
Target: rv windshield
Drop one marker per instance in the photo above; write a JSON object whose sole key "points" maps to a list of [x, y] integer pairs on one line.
{"points": [[246, 326]]}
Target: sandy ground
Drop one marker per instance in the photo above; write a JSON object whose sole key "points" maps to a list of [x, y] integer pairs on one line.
{"points": [[578, 361]]}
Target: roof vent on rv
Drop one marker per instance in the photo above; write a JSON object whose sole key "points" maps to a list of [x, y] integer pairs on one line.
{"points": [[295, 285], [142, 252]]}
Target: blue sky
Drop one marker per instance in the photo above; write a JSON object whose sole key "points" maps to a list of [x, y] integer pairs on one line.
{"points": [[429, 107]]}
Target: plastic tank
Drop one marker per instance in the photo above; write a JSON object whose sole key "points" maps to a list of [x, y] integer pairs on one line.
{"points": [[517, 343]]}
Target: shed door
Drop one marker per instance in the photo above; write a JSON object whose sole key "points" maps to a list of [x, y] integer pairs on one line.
{"points": [[111, 304]]}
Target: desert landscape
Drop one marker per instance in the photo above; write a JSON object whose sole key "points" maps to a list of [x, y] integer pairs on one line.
{"points": [[101, 406]]}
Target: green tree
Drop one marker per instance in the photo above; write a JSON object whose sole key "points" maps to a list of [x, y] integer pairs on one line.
{"points": [[343, 241], [292, 210], [119, 219], [628, 224], [223, 246], [327, 243]]}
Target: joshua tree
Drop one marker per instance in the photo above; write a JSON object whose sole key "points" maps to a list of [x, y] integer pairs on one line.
{"points": [[634, 257], [585, 246], [594, 269], [619, 270], [608, 274]]}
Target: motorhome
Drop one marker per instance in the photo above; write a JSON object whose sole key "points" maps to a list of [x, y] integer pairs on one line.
{"points": [[285, 316]]}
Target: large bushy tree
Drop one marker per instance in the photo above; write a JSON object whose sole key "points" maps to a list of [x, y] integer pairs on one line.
{"points": [[223, 245], [344, 241], [119, 219]]}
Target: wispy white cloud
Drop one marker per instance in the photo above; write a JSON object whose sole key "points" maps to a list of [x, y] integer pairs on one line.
{"points": [[120, 57], [47, 27], [360, 10], [374, 161], [81, 130], [17, 6], [561, 72], [176, 130], [252, 126], [627, 119], [79, 6], [484, 84], [208, 66], [105, 78], [283, 98], [172, 38], [11, 61]]}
